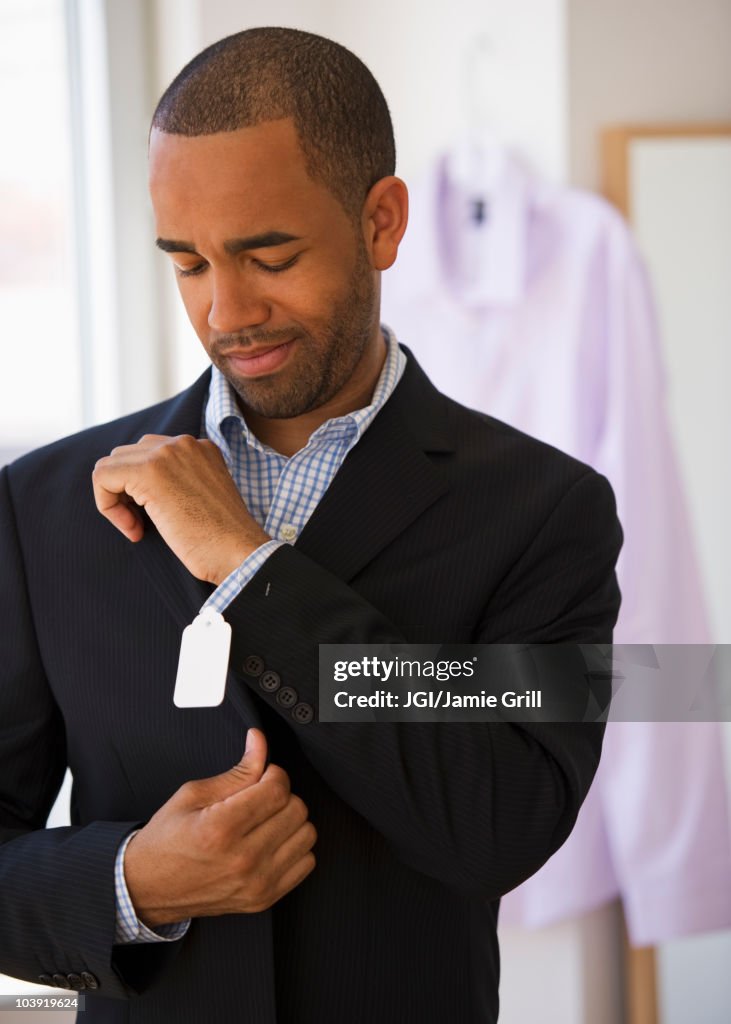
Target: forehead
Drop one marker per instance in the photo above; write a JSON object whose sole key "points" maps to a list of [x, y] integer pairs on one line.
{"points": [[236, 179]]}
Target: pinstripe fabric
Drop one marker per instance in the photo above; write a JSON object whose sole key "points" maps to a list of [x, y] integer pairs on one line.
{"points": [[281, 493]]}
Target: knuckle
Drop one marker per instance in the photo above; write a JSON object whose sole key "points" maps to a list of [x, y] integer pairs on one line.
{"points": [[280, 794], [299, 809], [241, 772], [161, 453], [310, 833], [190, 792], [277, 775]]}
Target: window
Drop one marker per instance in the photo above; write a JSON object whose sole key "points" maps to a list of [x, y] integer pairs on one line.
{"points": [[40, 359]]}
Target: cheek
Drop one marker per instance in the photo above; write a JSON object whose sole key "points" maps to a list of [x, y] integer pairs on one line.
{"points": [[316, 295], [197, 302]]}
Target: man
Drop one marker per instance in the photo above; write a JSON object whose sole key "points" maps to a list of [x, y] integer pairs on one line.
{"points": [[313, 488]]}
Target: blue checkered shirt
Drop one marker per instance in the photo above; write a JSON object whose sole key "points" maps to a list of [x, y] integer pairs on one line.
{"points": [[281, 493]]}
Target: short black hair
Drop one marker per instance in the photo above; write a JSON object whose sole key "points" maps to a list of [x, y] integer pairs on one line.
{"points": [[264, 74]]}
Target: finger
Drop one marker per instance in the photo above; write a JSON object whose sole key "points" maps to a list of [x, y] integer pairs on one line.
{"points": [[293, 849], [251, 766], [241, 776], [243, 812], [274, 832], [109, 481], [280, 872], [121, 512], [148, 441], [294, 876]]}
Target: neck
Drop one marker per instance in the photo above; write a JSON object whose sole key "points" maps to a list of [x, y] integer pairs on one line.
{"points": [[288, 436]]}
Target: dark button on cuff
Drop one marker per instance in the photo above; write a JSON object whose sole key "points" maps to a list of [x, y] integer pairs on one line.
{"points": [[270, 681], [61, 981], [76, 982], [45, 979], [287, 697], [302, 713], [254, 665], [90, 980]]}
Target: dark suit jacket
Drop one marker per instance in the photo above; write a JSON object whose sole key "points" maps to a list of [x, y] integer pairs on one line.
{"points": [[442, 525]]}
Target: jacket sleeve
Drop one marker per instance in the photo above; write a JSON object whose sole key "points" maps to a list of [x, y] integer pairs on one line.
{"points": [[57, 909], [477, 806]]}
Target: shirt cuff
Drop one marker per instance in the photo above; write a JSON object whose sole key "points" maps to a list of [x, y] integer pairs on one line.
{"points": [[227, 591], [129, 929]]}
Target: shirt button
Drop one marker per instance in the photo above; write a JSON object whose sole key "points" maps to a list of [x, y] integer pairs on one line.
{"points": [[287, 697], [288, 532]]}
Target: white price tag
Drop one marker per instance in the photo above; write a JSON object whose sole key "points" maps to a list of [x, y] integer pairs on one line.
{"points": [[203, 663]]}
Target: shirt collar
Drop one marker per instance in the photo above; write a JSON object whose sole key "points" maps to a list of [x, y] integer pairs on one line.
{"points": [[223, 417], [466, 174]]}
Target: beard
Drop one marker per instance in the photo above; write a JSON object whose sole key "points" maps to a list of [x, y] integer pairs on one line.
{"points": [[324, 361]]}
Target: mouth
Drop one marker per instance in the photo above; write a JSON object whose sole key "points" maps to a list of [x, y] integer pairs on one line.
{"points": [[260, 361]]}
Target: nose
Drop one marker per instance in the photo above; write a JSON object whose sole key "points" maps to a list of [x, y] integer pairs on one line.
{"points": [[236, 303]]}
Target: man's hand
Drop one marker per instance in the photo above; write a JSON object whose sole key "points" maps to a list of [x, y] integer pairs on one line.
{"points": [[187, 491], [231, 844]]}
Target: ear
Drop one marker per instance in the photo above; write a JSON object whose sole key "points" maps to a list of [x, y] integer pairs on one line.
{"points": [[384, 218]]}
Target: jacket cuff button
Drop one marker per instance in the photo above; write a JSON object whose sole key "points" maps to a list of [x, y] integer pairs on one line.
{"points": [[302, 713], [270, 681], [287, 697], [253, 665]]}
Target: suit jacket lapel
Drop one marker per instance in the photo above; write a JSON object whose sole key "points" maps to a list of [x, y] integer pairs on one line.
{"points": [[386, 481]]}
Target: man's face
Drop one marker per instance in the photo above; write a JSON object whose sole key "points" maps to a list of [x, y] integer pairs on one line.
{"points": [[274, 276]]}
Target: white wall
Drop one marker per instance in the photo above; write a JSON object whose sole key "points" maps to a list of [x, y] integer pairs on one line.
{"points": [[417, 52], [681, 192]]}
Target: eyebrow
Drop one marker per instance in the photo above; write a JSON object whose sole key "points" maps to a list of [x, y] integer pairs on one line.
{"points": [[234, 245]]}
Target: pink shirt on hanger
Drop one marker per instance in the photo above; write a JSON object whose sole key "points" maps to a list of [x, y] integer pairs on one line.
{"points": [[530, 302]]}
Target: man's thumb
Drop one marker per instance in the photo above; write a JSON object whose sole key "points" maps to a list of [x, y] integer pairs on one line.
{"points": [[253, 763], [255, 752], [246, 773]]}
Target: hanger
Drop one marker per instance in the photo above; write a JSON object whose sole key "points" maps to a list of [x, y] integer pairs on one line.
{"points": [[478, 156]]}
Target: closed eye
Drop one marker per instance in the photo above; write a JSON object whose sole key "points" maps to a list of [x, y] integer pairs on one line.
{"points": [[190, 271], [276, 268], [269, 268]]}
